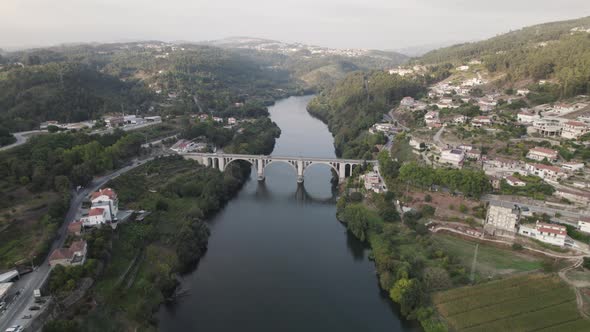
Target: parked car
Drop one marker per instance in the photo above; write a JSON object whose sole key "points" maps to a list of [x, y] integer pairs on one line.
{"points": [[34, 308]]}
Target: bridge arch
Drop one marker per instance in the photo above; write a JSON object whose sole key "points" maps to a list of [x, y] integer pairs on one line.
{"points": [[333, 166], [288, 162], [251, 161]]}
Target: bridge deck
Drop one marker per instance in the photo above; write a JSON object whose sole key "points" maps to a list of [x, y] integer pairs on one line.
{"points": [[252, 156]]}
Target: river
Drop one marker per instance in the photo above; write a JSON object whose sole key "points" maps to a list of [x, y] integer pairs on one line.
{"points": [[278, 260]]}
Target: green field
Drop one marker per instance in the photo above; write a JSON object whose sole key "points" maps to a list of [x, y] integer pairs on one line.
{"points": [[491, 261], [534, 302]]}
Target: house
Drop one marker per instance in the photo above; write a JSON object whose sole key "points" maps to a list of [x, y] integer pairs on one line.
{"points": [[527, 117], [75, 228], [114, 121], [218, 119], [372, 182], [232, 121], [473, 154], [577, 196], [522, 92], [574, 129], [506, 163], [96, 217], [417, 145], [495, 182], [185, 146], [74, 255], [546, 172], [407, 102], [155, 118], [382, 127], [548, 233], [501, 220], [572, 166], [106, 199], [460, 119], [547, 127], [515, 182], [584, 225], [431, 118], [46, 124], [453, 157], [480, 121], [540, 154], [463, 68], [446, 103]]}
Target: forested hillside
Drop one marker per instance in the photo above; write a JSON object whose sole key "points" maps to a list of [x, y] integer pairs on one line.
{"points": [[83, 82], [356, 103], [557, 51]]}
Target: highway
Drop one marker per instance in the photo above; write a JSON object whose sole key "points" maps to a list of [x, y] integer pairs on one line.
{"points": [[34, 280]]}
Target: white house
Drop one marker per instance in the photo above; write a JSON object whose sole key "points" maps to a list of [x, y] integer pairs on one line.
{"points": [[574, 129], [515, 182], [460, 119], [407, 102], [548, 233], [463, 68], [546, 172], [572, 166], [106, 199], [527, 117], [454, 157], [480, 121], [548, 127], [96, 217], [431, 118], [540, 154], [584, 225], [232, 121]]}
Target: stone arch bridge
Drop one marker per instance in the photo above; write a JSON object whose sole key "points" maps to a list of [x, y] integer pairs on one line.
{"points": [[342, 167]]}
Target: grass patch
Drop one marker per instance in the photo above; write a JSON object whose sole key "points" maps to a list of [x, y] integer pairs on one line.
{"points": [[522, 303], [491, 260]]}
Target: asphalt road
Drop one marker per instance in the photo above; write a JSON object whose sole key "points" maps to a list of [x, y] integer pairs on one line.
{"points": [[19, 307], [21, 138]]}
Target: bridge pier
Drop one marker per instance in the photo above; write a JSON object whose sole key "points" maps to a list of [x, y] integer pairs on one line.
{"points": [[300, 170], [260, 169], [341, 172]]}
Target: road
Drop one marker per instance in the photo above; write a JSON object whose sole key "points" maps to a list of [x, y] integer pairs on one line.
{"points": [[21, 138], [34, 280], [506, 201], [437, 140]]}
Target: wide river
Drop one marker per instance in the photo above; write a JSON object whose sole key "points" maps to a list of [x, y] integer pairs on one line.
{"points": [[278, 260]]}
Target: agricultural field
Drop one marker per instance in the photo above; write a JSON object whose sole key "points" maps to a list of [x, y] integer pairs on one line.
{"points": [[491, 261], [532, 302]]}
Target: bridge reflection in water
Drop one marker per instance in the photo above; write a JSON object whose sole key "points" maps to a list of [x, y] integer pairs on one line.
{"points": [[301, 195]]}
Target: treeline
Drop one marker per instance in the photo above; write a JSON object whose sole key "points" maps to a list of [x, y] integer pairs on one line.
{"points": [[55, 161], [468, 182], [359, 101]]}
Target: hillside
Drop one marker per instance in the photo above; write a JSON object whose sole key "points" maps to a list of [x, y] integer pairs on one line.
{"points": [[82, 82], [315, 66], [558, 51]]}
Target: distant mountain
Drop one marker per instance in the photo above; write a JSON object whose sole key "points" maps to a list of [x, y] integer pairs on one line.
{"points": [[420, 50], [315, 66]]}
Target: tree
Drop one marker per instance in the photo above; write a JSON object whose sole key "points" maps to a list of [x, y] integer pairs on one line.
{"points": [[355, 216]]}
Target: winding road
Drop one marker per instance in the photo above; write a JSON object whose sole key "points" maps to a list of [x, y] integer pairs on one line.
{"points": [[34, 280], [21, 138]]}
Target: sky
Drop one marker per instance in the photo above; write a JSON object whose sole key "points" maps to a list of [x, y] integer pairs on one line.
{"points": [[375, 24]]}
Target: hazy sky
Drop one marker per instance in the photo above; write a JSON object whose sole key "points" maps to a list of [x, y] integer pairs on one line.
{"points": [[380, 24]]}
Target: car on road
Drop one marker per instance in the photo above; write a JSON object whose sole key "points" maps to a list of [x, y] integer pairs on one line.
{"points": [[2, 305], [27, 316], [15, 328], [34, 308]]}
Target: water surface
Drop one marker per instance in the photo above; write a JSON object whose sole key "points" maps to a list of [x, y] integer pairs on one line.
{"points": [[278, 260]]}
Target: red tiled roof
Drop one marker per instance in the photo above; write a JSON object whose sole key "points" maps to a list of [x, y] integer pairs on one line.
{"points": [[513, 179], [77, 246], [550, 228], [576, 124], [60, 253], [75, 227], [96, 212], [544, 150], [106, 191], [547, 167]]}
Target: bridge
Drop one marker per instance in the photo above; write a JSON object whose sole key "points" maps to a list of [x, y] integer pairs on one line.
{"points": [[342, 167]]}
